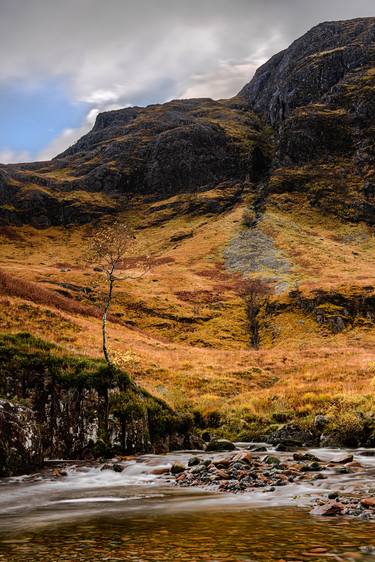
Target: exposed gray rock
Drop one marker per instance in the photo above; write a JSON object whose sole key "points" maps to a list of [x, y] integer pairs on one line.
{"points": [[253, 251], [20, 439], [310, 67]]}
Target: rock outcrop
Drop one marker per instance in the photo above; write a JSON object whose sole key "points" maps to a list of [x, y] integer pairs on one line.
{"points": [[311, 67], [60, 406], [20, 439], [319, 95]]}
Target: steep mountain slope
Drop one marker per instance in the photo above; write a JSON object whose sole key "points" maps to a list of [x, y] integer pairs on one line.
{"points": [[277, 184], [319, 95], [311, 67]]}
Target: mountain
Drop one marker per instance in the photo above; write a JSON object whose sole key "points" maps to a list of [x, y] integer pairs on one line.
{"points": [[276, 184], [160, 150], [319, 95]]}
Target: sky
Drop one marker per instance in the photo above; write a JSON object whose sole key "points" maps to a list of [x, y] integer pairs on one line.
{"points": [[64, 61]]}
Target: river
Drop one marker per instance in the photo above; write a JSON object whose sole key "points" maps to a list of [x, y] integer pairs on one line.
{"points": [[138, 515]]}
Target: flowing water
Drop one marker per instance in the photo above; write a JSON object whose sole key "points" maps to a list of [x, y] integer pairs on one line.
{"points": [[137, 515]]}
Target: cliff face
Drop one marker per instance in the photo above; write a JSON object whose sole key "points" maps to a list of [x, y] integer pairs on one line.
{"points": [[311, 67], [319, 94]]}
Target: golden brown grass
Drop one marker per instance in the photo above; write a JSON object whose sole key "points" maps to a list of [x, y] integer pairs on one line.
{"points": [[13, 286], [186, 323]]}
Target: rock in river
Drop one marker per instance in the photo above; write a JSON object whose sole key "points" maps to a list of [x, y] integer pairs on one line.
{"points": [[220, 445], [328, 509]]}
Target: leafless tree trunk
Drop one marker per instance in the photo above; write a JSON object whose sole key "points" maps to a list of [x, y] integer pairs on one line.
{"points": [[254, 293], [107, 305]]}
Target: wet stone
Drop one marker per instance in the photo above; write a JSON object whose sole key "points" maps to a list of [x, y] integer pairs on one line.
{"points": [[177, 468], [328, 509], [193, 461], [220, 445], [368, 502]]}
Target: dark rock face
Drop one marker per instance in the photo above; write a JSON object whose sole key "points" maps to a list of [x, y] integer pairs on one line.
{"points": [[310, 67], [293, 437], [313, 134], [319, 94], [20, 439], [66, 421], [163, 149]]}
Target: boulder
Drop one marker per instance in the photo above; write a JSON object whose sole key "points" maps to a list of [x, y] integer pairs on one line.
{"points": [[305, 457], [328, 509], [368, 502], [243, 457], [193, 461], [220, 445], [288, 445], [343, 459], [271, 459], [320, 421], [293, 436], [177, 468]]}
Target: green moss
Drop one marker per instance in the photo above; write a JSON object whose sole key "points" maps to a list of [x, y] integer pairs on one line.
{"points": [[30, 358]]}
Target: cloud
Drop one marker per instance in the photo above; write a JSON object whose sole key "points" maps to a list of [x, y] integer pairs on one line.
{"points": [[9, 156], [68, 137], [134, 52]]}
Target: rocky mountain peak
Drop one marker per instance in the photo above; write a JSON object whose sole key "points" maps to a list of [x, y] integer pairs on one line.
{"points": [[310, 67]]}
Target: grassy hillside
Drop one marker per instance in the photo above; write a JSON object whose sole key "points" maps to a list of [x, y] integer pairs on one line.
{"points": [[185, 322], [276, 185]]}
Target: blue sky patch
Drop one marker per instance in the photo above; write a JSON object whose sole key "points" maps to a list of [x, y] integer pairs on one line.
{"points": [[32, 116]]}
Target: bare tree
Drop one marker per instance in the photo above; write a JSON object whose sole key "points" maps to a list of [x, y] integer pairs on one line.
{"points": [[255, 293], [112, 248]]}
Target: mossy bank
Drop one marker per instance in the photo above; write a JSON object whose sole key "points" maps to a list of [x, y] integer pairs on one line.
{"points": [[55, 405]]}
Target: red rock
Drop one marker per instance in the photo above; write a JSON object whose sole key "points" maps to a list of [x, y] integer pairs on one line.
{"points": [[354, 464], [296, 467], [328, 509], [222, 475], [368, 502], [59, 473], [243, 456], [222, 462]]}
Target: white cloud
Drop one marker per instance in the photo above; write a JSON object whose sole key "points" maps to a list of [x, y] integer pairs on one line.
{"points": [[133, 52], [229, 76], [8, 156], [68, 137], [102, 96]]}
